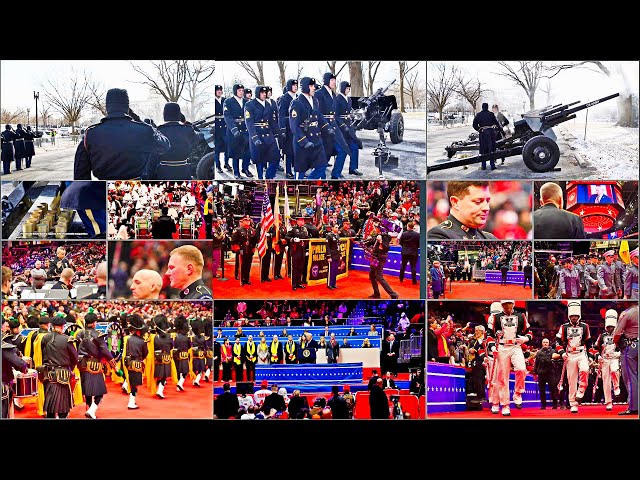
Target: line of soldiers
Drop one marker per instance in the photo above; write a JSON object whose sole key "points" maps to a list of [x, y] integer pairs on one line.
{"points": [[16, 145], [308, 128], [608, 279]]}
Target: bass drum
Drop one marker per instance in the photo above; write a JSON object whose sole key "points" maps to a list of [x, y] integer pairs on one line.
{"points": [[114, 338], [71, 329]]}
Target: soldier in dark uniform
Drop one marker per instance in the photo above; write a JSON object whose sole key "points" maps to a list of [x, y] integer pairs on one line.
{"points": [[330, 136], [607, 279], [307, 125], [297, 247], [410, 243], [568, 281], [58, 264], [20, 146], [162, 346], [173, 164], [135, 351], [580, 268], [219, 130], [10, 360], [59, 357], [8, 140], [185, 273], [280, 250], [119, 147], [244, 240], [378, 244], [30, 151], [65, 281], [344, 124], [346, 230], [198, 348], [469, 212], [248, 94], [181, 345], [551, 222], [621, 267], [631, 277], [333, 256], [208, 348], [265, 261], [591, 276], [263, 130], [237, 136], [15, 337], [286, 137], [91, 351], [87, 199], [486, 123]]}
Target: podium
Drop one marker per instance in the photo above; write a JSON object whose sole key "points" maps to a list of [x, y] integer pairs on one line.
{"points": [[306, 355]]}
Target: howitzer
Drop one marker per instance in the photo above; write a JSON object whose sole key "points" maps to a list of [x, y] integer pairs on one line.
{"points": [[533, 138]]}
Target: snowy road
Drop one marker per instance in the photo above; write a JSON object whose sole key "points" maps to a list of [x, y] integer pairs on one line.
{"points": [[51, 162]]}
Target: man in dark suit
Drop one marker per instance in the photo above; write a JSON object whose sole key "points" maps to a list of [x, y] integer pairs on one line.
{"points": [[378, 402], [374, 378], [410, 243], [550, 221], [390, 351], [601, 195], [164, 227], [504, 269], [226, 404], [388, 382], [528, 275]]}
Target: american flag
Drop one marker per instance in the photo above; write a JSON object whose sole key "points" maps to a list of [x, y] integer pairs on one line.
{"points": [[265, 224]]}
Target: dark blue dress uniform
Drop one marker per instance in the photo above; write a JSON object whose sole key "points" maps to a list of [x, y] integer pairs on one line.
{"points": [[118, 148], [286, 138], [173, 164], [486, 123], [219, 130], [197, 291], [326, 97], [452, 228], [8, 140], [30, 150], [237, 135], [297, 251], [306, 123], [263, 130], [20, 146], [88, 199], [344, 122], [333, 252]]}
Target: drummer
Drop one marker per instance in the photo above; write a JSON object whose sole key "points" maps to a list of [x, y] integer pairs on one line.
{"points": [[10, 360], [20, 342], [59, 264]]}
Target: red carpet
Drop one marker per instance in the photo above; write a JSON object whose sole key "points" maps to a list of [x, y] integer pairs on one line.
{"points": [[356, 286], [585, 412], [194, 402], [482, 290]]}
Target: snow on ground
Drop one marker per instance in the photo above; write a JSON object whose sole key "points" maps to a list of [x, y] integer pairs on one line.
{"points": [[610, 151]]}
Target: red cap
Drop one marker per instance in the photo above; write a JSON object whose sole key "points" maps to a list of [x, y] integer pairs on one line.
{"points": [[264, 384], [346, 388]]}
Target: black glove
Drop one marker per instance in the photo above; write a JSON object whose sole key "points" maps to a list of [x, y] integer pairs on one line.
{"points": [[257, 142], [308, 145], [236, 133]]}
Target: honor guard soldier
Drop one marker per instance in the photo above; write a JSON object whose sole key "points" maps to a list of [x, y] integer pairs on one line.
{"points": [[181, 346], [272, 102], [344, 122], [119, 147], [185, 273], [219, 130], [91, 351], [265, 261], [609, 358], [263, 130], [243, 241], [29, 135], [307, 125], [621, 268], [297, 247], [279, 250], [20, 146], [486, 123], [333, 256], [569, 281], [8, 139], [631, 277], [173, 164], [469, 212], [326, 96], [10, 360], [134, 352], [162, 344], [580, 268], [591, 276], [607, 279], [87, 199], [237, 135], [286, 137]]}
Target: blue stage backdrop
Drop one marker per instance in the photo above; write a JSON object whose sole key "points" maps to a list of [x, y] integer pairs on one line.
{"points": [[494, 276], [338, 373], [392, 267], [446, 391]]}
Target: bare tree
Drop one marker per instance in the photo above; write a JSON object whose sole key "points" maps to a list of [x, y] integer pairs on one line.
{"points": [[257, 73], [69, 97], [441, 85], [526, 75], [470, 89], [167, 79], [546, 89], [372, 71], [355, 79], [198, 72], [11, 116], [414, 88], [45, 113], [403, 70], [626, 118], [97, 96], [282, 71], [333, 67], [299, 70]]}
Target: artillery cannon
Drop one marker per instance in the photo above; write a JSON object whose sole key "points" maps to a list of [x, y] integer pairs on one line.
{"points": [[533, 138], [202, 156], [378, 112]]}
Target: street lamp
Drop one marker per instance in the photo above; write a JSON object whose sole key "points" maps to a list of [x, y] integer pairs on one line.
{"points": [[36, 96], [28, 110]]}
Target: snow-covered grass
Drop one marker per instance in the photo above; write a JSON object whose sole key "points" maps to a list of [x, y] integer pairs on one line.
{"points": [[612, 151]]}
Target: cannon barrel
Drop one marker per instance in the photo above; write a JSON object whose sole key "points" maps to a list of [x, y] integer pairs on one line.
{"points": [[558, 108], [564, 115], [377, 94], [204, 120]]}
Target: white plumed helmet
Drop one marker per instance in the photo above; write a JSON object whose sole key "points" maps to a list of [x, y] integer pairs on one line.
{"points": [[610, 318], [575, 308], [496, 307]]}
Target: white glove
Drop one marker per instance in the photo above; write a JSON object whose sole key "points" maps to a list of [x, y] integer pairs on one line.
{"points": [[522, 339], [565, 356], [616, 355], [296, 239]]}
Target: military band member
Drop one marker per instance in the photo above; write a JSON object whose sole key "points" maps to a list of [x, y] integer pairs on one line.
{"points": [[569, 281], [92, 349], [263, 129], [134, 352], [279, 250], [286, 136], [181, 346], [219, 130], [591, 276], [631, 277], [243, 241], [237, 136], [275, 350], [469, 202], [308, 125], [185, 273], [198, 350], [344, 124], [101, 280], [10, 360], [162, 347], [238, 359], [607, 278], [297, 247], [290, 351], [580, 268], [609, 359], [59, 358], [251, 357], [58, 264], [333, 256], [15, 337], [378, 245]]}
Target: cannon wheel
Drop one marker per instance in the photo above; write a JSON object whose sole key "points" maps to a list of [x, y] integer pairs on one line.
{"points": [[396, 127], [541, 154], [204, 169]]}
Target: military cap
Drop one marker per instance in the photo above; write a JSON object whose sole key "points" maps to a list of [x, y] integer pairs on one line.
{"points": [[117, 100], [327, 77], [344, 86], [171, 112], [58, 321]]}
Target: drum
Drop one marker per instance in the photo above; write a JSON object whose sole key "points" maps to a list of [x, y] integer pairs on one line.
{"points": [[142, 228], [26, 384], [186, 228], [28, 361]]}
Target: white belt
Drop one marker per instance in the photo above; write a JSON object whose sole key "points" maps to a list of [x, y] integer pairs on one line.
{"points": [[575, 349], [508, 342]]}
